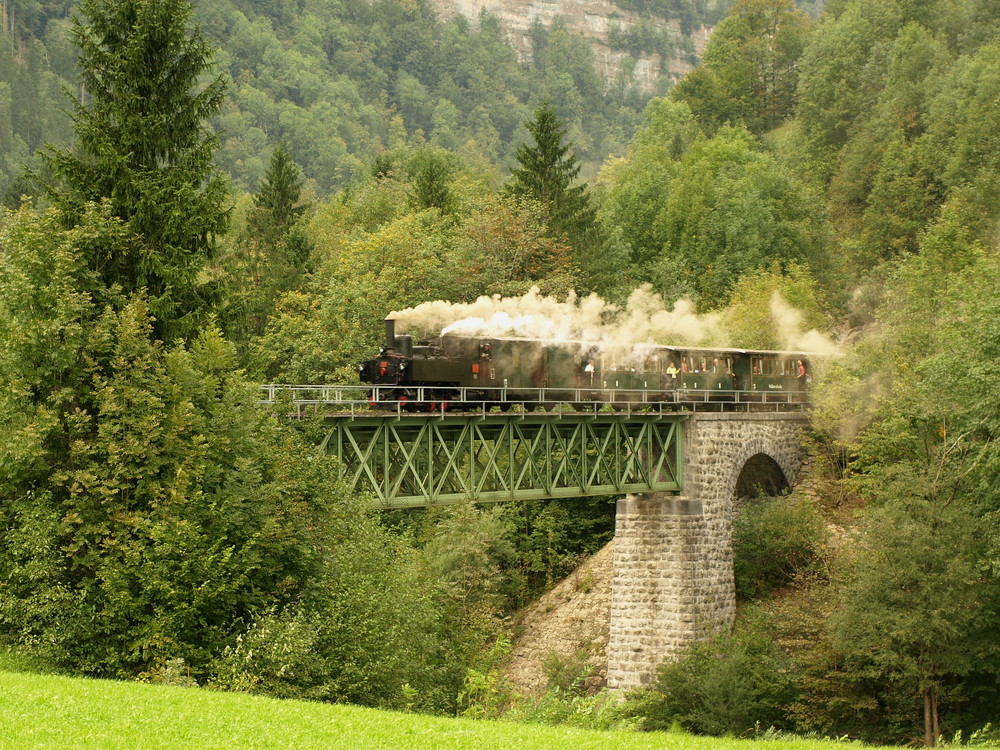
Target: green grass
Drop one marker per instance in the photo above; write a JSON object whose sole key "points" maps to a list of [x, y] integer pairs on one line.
{"points": [[53, 711]]}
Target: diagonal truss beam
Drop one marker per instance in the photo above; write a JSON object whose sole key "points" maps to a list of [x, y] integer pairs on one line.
{"points": [[417, 460]]}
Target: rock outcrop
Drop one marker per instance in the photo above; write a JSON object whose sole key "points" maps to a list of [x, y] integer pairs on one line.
{"points": [[592, 19]]}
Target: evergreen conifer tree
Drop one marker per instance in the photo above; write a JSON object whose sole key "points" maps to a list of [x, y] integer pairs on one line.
{"points": [[545, 173], [431, 171], [277, 203], [142, 145], [271, 251]]}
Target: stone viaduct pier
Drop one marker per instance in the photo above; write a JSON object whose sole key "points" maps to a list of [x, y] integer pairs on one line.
{"points": [[673, 565]]}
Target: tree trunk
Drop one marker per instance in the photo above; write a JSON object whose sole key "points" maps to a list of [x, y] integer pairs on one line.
{"points": [[932, 730], [935, 728]]}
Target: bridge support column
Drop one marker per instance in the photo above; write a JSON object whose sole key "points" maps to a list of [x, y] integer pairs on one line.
{"points": [[673, 583], [673, 567]]}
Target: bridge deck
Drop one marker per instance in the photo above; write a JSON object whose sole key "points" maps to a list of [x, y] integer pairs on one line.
{"points": [[354, 401]]}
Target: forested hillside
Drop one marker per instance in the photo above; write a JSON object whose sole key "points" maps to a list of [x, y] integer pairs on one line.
{"points": [[248, 202], [339, 83]]}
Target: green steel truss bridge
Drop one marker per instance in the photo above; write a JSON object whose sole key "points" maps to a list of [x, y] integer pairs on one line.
{"points": [[487, 454], [437, 459]]}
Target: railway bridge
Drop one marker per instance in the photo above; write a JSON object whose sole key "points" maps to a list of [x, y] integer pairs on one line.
{"points": [[681, 469]]}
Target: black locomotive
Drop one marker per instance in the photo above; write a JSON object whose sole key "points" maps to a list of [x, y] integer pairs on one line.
{"points": [[455, 371]]}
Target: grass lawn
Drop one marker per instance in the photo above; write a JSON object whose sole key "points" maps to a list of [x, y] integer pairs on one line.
{"points": [[64, 712]]}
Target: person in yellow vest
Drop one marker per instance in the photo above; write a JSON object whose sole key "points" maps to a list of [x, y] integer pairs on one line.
{"points": [[672, 373]]}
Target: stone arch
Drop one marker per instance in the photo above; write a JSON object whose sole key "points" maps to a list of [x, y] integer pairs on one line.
{"points": [[761, 464], [760, 475]]}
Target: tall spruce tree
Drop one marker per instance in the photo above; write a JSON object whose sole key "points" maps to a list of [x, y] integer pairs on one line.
{"points": [[545, 173], [276, 205], [142, 145], [271, 253]]}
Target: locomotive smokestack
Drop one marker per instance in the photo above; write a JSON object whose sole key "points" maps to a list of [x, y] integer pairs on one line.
{"points": [[390, 333]]}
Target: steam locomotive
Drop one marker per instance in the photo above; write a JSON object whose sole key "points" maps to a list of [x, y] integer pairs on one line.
{"points": [[455, 371]]}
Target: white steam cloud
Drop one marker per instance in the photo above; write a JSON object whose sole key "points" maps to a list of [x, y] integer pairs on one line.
{"points": [[644, 320], [790, 331]]}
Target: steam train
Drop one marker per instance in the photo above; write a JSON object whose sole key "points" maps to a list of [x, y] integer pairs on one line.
{"points": [[456, 371]]}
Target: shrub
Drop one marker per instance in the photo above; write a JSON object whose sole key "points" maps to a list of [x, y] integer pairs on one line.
{"points": [[366, 630], [772, 540], [602, 712], [731, 685]]}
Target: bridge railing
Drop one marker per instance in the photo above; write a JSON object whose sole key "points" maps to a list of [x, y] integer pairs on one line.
{"points": [[354, 400]]}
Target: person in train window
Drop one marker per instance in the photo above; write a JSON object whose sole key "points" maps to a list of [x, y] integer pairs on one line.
{"points": [[672, 372], [800, 375]]}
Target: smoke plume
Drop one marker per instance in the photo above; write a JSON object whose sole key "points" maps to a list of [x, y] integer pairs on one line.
{"points": [[790, 333], [644, 320]]}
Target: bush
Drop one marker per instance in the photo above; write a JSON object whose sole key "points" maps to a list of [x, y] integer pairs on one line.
{"points": [[367, 630], [732, 685], [772, 540], [602, 712]]}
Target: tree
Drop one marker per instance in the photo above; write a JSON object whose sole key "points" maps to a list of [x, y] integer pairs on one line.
{"points": [[545, 173], [638, 185], [503, 248], [919, 607], [735, 209], [913, 614], [774, 309], [750, 69], [143, 145], [276, 205], [148, 507], [271, 252], [431, 170]]}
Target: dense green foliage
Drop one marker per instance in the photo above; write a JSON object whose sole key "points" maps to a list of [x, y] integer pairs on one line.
{"points": [[730, 685], [750, 68], [773, 539], [153, 518], [338, 83]]}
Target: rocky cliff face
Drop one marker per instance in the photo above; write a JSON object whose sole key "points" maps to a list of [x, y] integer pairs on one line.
{"points": [[592, 19]]}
